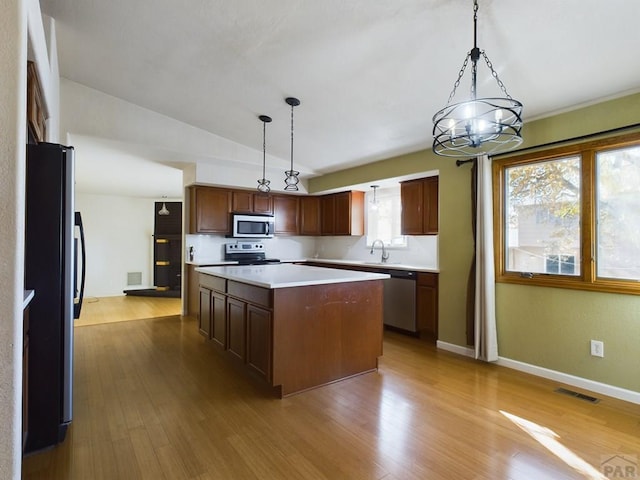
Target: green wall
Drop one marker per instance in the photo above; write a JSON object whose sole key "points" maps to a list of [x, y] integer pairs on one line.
{"points": [[547, 327]]}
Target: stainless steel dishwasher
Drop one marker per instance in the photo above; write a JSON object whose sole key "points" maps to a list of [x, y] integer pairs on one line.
{"points": [[400, 300]]}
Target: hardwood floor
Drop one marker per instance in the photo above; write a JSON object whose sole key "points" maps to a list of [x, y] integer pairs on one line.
{"points": [[152, 400], [96, 310]]}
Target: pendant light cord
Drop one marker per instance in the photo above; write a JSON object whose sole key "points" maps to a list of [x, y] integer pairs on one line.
{"points": [[264, 147], [291, 137]]}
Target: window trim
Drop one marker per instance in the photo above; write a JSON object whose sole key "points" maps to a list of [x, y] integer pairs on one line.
{"points": [[587, 280]]}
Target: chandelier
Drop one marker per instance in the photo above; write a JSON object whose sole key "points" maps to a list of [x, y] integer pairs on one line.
{"points": [[291, 181], [478, 125], [263, 183]]}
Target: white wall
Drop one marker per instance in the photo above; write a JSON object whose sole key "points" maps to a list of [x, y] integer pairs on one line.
{"points": [[13, 58], [21, 32], [118, 232]]}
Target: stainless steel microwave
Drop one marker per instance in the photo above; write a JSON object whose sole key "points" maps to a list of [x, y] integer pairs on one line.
{"points": [[253, 226]]}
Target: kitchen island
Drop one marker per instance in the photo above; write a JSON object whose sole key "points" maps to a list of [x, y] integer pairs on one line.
{"points": [[294, 326]]}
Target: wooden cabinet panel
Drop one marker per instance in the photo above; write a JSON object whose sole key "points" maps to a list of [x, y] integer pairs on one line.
{"points": [[236, 324], [343, 213], [250, 202], [427, 305], [210, 209], [342, 225], [328, 214], [242, 201], [310, 216], [263, 204], [419, 206], [259, 341], [204, 315], [285, 209], [430, 195], [219, 319], [412, 205]]}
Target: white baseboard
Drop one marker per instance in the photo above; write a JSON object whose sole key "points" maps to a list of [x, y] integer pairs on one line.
{"points": [[452, 347], [590, 385]]}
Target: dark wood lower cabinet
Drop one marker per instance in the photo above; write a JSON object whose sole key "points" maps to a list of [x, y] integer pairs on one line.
{"points": [[237, 325], [204, 315], [219, 319], [427, 305], [259, 333]]}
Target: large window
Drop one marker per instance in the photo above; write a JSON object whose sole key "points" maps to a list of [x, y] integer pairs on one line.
{"points": [[570, 217]]}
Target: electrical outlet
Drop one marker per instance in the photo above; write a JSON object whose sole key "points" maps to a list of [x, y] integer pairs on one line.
{"points": [[597, 348]]}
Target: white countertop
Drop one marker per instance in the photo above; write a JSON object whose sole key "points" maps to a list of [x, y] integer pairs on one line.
{"points": [[288, 275], [387, 265]]}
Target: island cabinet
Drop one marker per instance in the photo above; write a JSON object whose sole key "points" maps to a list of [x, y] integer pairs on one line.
{"points": [[296, 337], [209, 210], [285, 209], [310, 216], [342, 213], [427, 305], [419, 200]]}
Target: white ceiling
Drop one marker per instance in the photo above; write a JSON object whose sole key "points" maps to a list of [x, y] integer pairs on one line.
{"points": [[370, 74]]}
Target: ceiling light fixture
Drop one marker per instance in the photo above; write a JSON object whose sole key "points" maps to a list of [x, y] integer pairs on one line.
{"points": [[164, 210], [292, 179], [263, 183], [374, 202], [479, 125]]}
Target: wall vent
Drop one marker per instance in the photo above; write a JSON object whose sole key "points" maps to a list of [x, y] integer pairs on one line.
{"points": [[134, 278], [581, 396]]}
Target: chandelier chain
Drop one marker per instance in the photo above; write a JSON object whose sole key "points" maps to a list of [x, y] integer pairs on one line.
{"points": [[460, 75], [495, 75]]}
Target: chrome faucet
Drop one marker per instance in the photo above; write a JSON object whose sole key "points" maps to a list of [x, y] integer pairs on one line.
{"points": [[385, 254]]}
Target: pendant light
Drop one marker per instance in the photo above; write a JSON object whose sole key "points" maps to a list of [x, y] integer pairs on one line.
{"points": [[164, 210], [263, 183], [479, 125], [291, 181], [374, 202]]}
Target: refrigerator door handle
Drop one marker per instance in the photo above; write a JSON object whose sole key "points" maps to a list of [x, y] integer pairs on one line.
{"points": [[77, 307]]}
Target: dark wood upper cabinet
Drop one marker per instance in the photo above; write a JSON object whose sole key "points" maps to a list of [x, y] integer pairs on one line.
{"points": [[343, 213], [310, 216], [285, 209], [263, 204], [209, 210], [420, 206], [251, 202]]}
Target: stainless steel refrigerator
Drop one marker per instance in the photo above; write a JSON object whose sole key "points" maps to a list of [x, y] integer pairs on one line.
{"points": [[51, 262]]}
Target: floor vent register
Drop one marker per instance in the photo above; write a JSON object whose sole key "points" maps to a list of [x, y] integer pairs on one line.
{"points": [[581, 396]]}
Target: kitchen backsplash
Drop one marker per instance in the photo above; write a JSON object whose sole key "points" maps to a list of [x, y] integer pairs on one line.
{"points": [[421, 250]]}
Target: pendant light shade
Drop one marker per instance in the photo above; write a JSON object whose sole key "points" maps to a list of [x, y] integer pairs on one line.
{"points": [[291, 181], [478, 125], [164, 210], [263, 183], [374, 202]]}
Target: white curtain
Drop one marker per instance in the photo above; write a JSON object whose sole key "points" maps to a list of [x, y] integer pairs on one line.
{"points": [[486, 339]]}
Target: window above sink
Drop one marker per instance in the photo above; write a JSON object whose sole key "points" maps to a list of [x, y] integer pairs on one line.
{"points": [[383, 218]]}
